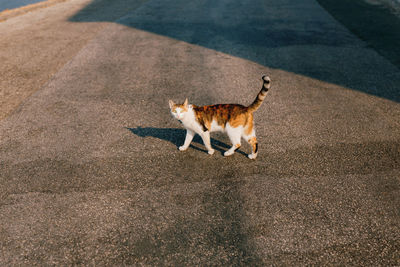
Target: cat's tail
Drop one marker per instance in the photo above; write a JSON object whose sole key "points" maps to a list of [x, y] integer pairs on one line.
{"points": [[261, 95]]}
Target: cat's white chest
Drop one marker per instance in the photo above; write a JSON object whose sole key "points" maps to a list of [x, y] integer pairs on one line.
{"points": [[189, 122]]}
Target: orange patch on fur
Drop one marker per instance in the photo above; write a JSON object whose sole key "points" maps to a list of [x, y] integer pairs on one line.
{"points": [[250, 124], [182, 106], [253, 140], [238, 120], [235, 114], [253, 143]]}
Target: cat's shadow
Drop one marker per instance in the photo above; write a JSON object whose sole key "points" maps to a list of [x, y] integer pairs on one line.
{"points": [[177, 137]]}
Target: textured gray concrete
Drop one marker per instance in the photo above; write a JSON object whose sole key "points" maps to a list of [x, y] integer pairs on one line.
{"points": [[90, 172]]}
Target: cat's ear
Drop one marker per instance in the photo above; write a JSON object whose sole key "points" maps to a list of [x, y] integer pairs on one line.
{"points": [[171, 104], [186, 103]]}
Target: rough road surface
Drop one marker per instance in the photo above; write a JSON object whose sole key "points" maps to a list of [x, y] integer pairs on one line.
{"points": [[89, 167]]}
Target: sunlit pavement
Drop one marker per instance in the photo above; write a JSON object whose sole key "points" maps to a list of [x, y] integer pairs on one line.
{"points": [[90, 171]]}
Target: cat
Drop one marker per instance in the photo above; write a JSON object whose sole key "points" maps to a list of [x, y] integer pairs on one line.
{"points": [[234, 119]]}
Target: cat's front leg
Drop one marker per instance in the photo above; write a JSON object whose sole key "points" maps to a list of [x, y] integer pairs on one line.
{"points": [[206, 140], [189, 137]]}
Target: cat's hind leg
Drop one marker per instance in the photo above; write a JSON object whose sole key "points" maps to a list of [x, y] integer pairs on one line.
{"points": [[254, 147], [250, 136], [234, 135]]}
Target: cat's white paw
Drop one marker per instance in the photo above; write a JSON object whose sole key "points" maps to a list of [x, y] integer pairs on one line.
{"points": [[211, 151], [252, 156], [228, 153], [182, 148]]}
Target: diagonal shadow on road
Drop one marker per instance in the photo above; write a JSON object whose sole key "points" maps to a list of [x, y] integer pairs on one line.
{"points": [[291, 37]]}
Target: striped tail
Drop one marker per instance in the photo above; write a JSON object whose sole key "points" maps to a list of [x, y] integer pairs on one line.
{"points": [[261, 95]]}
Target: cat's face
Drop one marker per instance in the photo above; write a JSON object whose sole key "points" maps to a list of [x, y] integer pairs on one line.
{"points": [[179, 110]]}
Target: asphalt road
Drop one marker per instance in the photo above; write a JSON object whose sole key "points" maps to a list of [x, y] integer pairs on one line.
{"points": [[90, 172]]}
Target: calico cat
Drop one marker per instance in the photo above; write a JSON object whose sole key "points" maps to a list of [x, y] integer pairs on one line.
{"points": [[234, 119]]}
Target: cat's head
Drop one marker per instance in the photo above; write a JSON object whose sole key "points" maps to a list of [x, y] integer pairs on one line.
{"points": [[179, 110]]}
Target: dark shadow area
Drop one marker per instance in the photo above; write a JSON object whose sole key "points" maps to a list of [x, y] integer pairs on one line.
{"points": [[177, 137], [106, 10], [374, 24], [295, 37]]}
